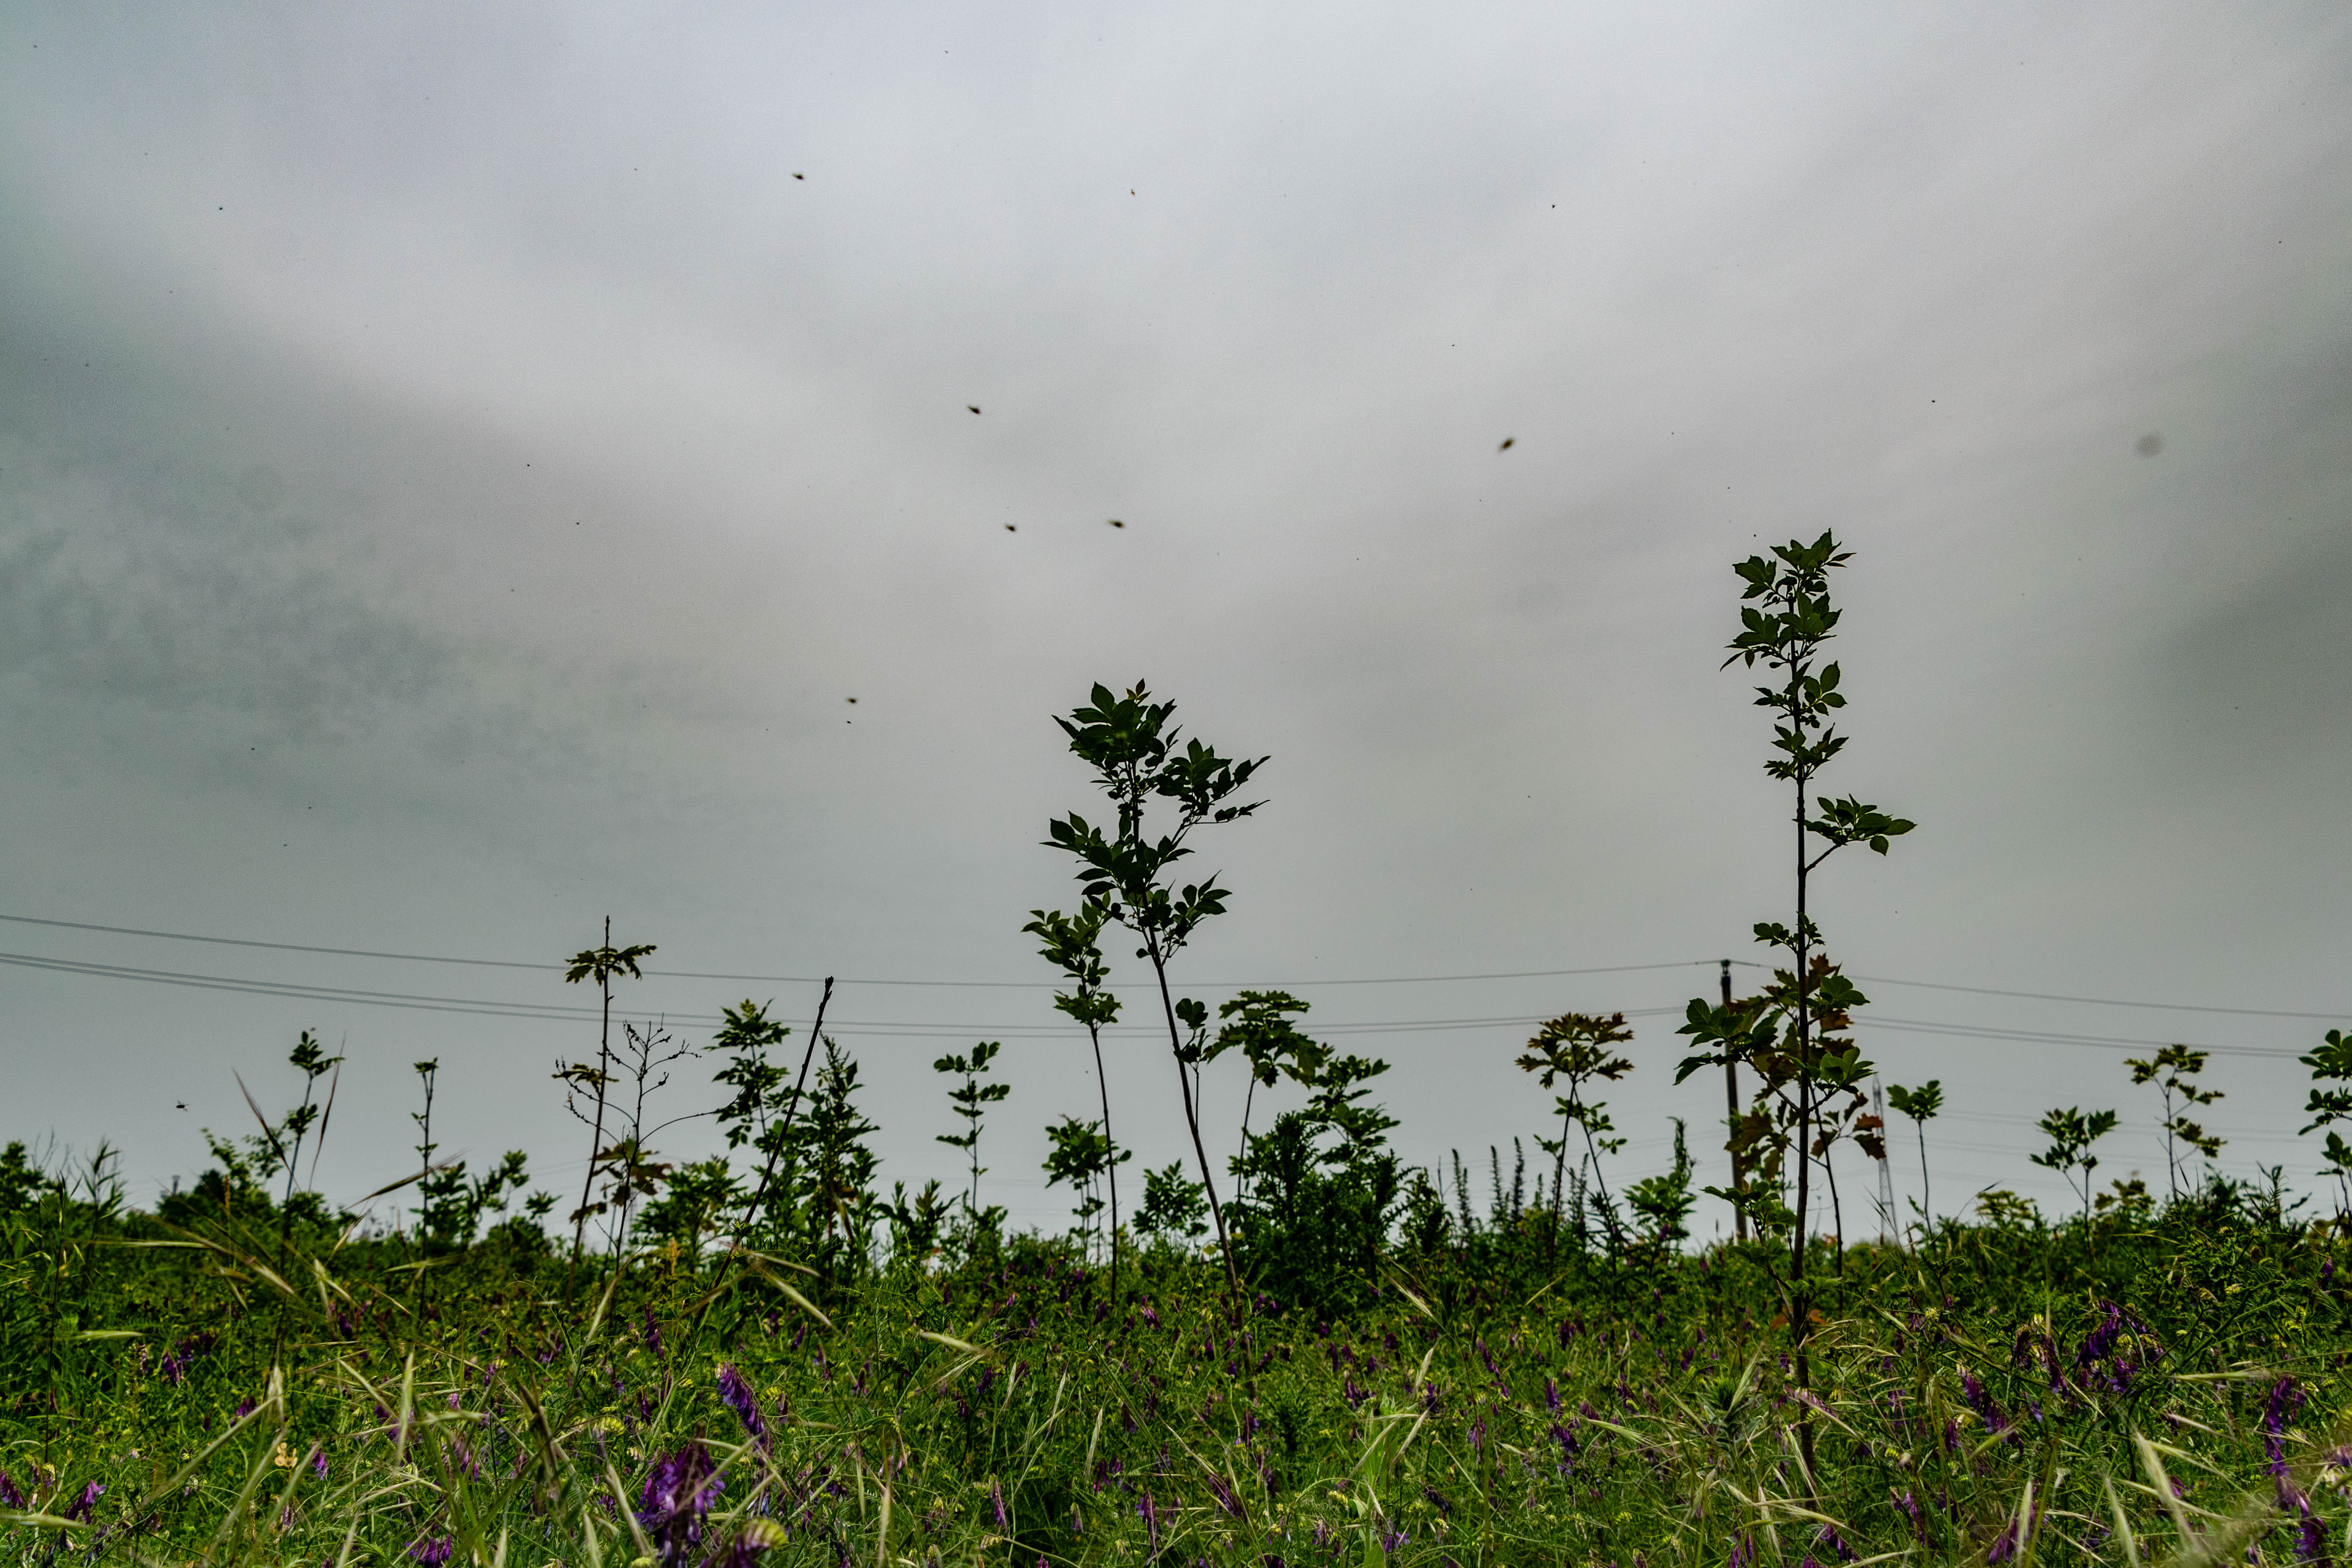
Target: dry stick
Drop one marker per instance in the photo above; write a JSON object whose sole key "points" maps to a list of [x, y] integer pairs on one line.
{"points": [[1192, 1116], [760, 1199]]}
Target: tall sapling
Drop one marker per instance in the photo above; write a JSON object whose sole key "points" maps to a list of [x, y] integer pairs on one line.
{"points": [[1132, 747]]}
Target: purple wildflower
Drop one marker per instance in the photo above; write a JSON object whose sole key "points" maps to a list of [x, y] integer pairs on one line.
{"points": [[431, 1550], [996, 1502], [1224, 1493], [2006, 1547], [651, 1332], [678, 1494], [2286, 1397], [1836, 1543], [1354, 1395], [1150, 1522], [1567, 1444], [8, 1492], [1551, 1395], [81, 1508], [319, 1463], [737, 1394], [1393, 1541], [244, 1409], [2101, 1342], [1743, 1554]]}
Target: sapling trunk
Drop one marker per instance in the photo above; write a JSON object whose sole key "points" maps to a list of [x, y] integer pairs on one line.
{"points": [[1193, 1113], [1800, 1299], [1732, 1119], [596, 1136], [1927, 1198], [1608, 1209], [1094, 1033], [1558, 1174]]}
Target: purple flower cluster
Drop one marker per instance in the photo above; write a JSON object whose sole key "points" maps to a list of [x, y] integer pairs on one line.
{"points": [[2285, 1400], [431, 1550], [736, 1393], [2117, 1335], [1995, 1419], [677, 1495], [1151, 1513], [182, 1356]]}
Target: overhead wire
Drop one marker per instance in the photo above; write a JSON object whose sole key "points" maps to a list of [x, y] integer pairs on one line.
{"points": [[561, 1012]]}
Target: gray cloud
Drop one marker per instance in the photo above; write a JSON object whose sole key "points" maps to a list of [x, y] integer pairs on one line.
{"points": [[613, 459]]}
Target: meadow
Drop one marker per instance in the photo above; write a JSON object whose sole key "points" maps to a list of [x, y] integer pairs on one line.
{"points": [[1312, 1354]]}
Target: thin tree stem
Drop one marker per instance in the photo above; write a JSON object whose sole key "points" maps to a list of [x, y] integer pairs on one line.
{"points": [[1192, 1113], [1094, 1033]]}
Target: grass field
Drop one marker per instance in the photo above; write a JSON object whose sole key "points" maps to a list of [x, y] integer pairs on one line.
{"points": [[244, 1384]]}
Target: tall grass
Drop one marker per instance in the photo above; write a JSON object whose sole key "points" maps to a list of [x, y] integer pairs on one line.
{"points": [[246, 1386]]}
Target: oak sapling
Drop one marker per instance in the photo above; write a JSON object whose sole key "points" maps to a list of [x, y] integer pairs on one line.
{"points": [[1786, 620], [1125, 870], [2071, 1135], [971, 1100], [1175, 1207], [600, 964], [1574, 1048], [1257, 1024], [1920, 1105], [1081, 1155], [1664, 1203], [755, 1115], [451, 1206], [1073, 942], [2331, 1062], [2174, 1071]]}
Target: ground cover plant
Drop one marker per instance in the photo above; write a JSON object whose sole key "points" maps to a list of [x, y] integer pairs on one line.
{"points": [[1334, 1359]]}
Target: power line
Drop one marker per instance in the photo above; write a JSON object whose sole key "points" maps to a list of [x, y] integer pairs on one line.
{"points": [[563, 1013], [2037, 1036], [811, 978], [2086, 1000]]}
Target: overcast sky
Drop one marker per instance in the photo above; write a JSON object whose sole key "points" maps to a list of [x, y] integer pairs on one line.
{"points": [[456, 466]]}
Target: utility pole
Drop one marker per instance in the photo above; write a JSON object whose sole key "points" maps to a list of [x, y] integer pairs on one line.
{"points": [[1731, 1118], [1890, 1229]]}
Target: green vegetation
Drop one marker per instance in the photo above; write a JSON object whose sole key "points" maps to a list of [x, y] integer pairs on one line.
{"points": [[1339, 1360]]}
